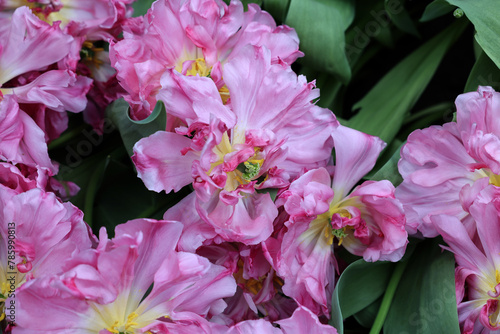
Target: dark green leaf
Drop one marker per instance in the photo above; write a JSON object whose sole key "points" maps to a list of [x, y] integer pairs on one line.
{"points": [[366, 316], [484, 15], [400, 17], [436, 9], [85, 169], [425, 298], [436, 114], [360, 284], [277, 8], [484, 73], [321, 27], [389, 171], [132, 131], [122, 196], [246, 2], [385, 107], [141, 7]]}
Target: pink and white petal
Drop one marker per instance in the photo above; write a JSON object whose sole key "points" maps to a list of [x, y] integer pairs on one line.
{"points": [[309, 142], [164, 16], [260, 29], [435, 155], [304, 321], [307, 266], [435, 167], [31, 44], [355, 155], [308, 196], [249, 220], [160, 162], [455, 235], [58, 90], [44, 227], [265, 96], [38, 301], [254, 326], [385, 220], [22, 141], [195, 231], [485, 147], [193, 98], [159, 238], [189, 324], [187, 283], [487, 219], [53, 123], [478, 111]]}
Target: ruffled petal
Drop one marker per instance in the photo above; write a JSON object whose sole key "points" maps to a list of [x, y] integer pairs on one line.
{"points": [[160, 161]]}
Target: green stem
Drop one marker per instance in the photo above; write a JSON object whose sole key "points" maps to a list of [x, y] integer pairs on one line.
{"points": [[388, 296]]}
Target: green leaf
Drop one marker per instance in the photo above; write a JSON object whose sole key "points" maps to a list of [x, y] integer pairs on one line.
{"points": [[246, 2], [425, 298], [400, 17], [141, 7], [321, 26], [484, 73], [367, 316], [93, 185], [437, 114], [122, 196], [360, 284], [389, 171], [436, 9], [484, 14], [132, 131], [277, 8], [385, 107]]}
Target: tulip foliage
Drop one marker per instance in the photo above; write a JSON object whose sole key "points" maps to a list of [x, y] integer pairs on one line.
{"points": [[268, 166]]}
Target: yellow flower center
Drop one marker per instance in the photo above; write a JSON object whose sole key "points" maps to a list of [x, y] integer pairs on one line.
{"points": [[244, 173], [199, 66], [494, 179], [124, 327], [255, 285], [89, 53], [323, 222]]}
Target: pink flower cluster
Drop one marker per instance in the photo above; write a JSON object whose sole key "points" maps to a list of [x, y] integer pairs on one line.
{"points": [[253, 247], [451, 188]]}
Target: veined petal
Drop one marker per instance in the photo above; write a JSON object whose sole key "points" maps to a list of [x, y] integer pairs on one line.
{"points": [[386, 237], [188, 283], [160, 162], [307, 265], [248, 220], [195, 231], [22, 141], [159, 239], [265, 96], [59, 90], [193, 98], [355, 155], [309, 142], [310, 195], [434, 162], [31, 44], [477, 113], [304, 321], [487, 219], [454, 234]]}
